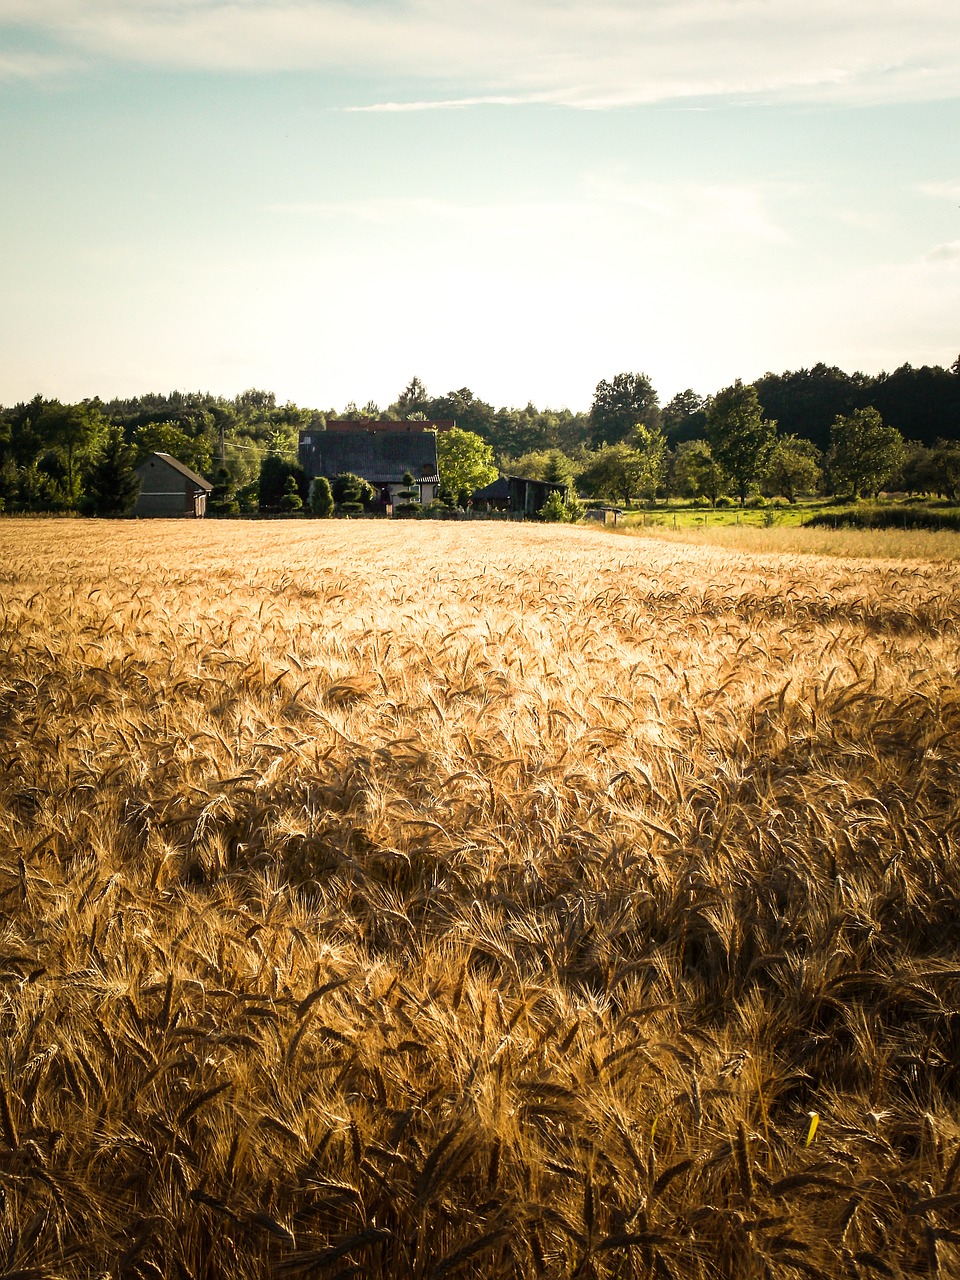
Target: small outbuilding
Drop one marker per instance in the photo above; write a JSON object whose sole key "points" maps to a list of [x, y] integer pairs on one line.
{"points": [[516, 494], [169, 488], [603, 515]]}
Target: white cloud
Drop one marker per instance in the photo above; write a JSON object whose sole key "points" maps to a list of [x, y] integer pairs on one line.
{"points": [[620, 52]]}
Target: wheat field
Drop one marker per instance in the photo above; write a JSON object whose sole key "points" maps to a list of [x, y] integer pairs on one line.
{"points": [[432, 900]]}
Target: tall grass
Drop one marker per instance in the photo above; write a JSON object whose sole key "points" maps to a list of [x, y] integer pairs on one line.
{"points": [[846, 543], [474, 901]]}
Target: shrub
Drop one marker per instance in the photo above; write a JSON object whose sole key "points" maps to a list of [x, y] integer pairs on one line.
{"points": [[554, 510], [351, 491], [407, 501], [866, 516], [291, 500], [575, 508], [321, 497]]}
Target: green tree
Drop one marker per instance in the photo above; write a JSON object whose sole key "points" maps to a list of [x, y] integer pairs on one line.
{"points": [[36, 491], [615, 471], [683, 418], [351, 492], [793, 467], [274, 474], [651, 444], [740, 437], [9, 484], [622, 405], [412, 401], [554, 510], [806, 401], [222, 500], [407, 501], [291, 500], [697, 474], [864, 453], [75, 431], [467, 410], [25, 439], [112, 485], [917, 472], [945, 466], [465, 461], [321, 497], [273, 478], [558, 469], [168, 437]]}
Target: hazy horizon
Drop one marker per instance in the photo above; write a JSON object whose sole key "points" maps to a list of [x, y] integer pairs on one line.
{"points": [[323, 199]]}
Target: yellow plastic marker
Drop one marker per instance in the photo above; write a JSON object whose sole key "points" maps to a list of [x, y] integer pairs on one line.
{"points": [[812, 1131]]}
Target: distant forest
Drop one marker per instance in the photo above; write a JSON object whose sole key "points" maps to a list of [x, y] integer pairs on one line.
{"points": [[50, 452]]}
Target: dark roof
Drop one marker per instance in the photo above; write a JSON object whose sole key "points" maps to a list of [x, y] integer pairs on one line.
{"points": [[390, 424], [497, 491], [185, 471], [381, 457]]}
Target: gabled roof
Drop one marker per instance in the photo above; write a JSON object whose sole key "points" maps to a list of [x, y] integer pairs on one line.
{"points": [[185, 471], [390, 424], [381, 457]]}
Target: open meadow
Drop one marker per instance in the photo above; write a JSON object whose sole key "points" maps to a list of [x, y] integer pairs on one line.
{"points": [[474, 900]]}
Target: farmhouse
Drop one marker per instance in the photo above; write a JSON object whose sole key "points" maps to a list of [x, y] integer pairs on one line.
{"points": [[380, 452], [168, 488]]}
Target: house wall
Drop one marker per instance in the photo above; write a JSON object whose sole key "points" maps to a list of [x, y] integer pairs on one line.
{"points": [[165, 492], [426, 490]]}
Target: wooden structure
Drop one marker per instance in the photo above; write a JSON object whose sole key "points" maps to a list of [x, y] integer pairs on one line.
{"points": [[168, 488], [603, 515], [379, 452], [516, 494]]}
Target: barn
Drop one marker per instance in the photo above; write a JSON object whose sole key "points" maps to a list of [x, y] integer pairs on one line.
{"points": [[168, 488]]}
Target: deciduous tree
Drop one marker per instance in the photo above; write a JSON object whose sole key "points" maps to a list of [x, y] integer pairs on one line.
{"points": [[793, 467], [465, 461], [651, 444], [615, 471], [683, 417], [864, 453], [75, 431], [620, 406], [697, 474], [740, 437]]}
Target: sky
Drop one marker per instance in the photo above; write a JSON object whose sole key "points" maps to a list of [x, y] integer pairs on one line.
{"points": [[324, 198]]}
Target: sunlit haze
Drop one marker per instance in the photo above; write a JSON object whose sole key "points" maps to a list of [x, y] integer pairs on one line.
{"points": [[324, 198]]}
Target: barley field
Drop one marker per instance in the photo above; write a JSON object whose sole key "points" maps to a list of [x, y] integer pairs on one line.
{"points": [[433, 900]]}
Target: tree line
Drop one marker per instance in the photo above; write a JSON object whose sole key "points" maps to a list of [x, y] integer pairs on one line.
{"points": [[810, 430]]}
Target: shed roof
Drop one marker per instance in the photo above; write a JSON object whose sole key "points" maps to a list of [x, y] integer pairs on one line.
{"points": [[184, 470], [496, 491], [382, 457]]}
